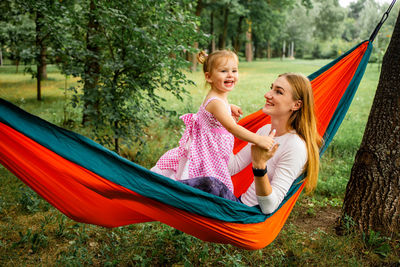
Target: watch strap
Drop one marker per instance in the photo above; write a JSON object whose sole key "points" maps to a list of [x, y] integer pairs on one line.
{"points": [[260, 172]]}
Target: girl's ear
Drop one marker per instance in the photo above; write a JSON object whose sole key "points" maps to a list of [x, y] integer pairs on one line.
{"points": [[297, 105], [208, 77]]}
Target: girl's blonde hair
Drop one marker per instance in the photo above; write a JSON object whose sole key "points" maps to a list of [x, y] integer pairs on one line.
{"points": [[212, 60], [305, 123]]}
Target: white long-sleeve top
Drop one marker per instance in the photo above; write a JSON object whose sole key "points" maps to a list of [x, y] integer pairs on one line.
{"points": [[283, 168]]}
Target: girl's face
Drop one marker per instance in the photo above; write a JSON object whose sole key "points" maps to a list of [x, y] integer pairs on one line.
{"points": [[279, 100], [224, 75]]}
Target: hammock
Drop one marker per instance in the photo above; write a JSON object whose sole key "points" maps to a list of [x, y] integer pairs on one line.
{"points": [[91, 184]]}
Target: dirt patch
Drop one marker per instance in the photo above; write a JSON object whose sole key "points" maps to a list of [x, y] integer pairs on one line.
{"points": [[324, 218]]}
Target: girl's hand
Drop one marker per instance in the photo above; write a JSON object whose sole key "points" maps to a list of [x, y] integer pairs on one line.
{"points": [[236, 112], [266, 142]]}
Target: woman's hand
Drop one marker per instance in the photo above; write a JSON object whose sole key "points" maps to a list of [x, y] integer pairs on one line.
{"points": [[236, 112], [260, 155]]}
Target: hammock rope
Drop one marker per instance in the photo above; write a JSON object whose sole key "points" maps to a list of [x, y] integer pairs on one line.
{"points": [[383, 19]]}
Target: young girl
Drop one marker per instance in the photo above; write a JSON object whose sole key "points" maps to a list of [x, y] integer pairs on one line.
{"points": [[207, 142]]}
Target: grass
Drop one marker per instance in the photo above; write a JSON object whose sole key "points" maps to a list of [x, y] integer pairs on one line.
{"points": [[33, 233]]}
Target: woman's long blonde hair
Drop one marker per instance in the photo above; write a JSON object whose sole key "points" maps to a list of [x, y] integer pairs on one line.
{"points": [[305, 123]]}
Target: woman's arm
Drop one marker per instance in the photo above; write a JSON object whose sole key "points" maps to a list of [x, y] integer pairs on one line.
{"points": [[288, 168]]}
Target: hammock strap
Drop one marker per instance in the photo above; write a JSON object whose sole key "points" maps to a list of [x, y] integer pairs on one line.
{"points": [[384, 17]]}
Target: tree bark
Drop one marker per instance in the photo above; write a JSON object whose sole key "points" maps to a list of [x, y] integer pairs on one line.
{"points": [[292, 50], [372, 197], [237, 43], [43, 60], [249, 45], [212, 44], [225, 29], [92, 66], [199, 8], [39, 58]]}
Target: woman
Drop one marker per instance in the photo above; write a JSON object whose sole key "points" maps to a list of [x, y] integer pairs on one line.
{"points": [[290, 104]]}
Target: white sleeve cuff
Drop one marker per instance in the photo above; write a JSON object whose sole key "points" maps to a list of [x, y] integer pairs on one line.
{"points": [[268, 203]]}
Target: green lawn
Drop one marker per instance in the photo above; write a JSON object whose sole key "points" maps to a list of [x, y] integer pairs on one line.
{"points": [[35, 234]]}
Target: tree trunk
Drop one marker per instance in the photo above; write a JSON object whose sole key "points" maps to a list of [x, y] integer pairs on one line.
{"points": [[269, 50], [199, 8], [39, 58], [92, 66], [249, 45], [193, 58], [257, 48], [212, 45], [43, 67], [1, 57], [292, 50], [116, 139], [372, 197], [237, 43], [225, 30]]}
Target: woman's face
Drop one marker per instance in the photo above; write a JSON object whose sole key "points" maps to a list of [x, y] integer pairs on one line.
{"points": [[279, 100]]}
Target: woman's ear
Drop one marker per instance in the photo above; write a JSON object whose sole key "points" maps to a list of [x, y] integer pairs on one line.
{"points": [[297, 105], [208, 77]]}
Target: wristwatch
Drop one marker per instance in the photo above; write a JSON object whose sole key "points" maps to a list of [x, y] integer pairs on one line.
{"points": [[260, 172]]}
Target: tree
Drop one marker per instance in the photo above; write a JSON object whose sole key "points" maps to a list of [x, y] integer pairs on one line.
{"points": [[91, 70], [44, 14], [17, 33], [131, 51], [372, 197], [193, 56], [268, 20], [298, 30], [327, 23]]}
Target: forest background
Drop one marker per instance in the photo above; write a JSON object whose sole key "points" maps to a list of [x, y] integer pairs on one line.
{"points": [[126, 72]]}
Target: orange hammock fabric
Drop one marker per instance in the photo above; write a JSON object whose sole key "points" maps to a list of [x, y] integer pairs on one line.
{"points": [[107, 190]]}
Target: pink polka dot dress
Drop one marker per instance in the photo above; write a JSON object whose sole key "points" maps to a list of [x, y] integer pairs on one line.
{"points": [[204, 148]]}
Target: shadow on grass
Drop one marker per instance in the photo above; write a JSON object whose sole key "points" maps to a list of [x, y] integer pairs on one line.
{"points": [[14, 84], [32, 101], [12, 69], [27, 82]]}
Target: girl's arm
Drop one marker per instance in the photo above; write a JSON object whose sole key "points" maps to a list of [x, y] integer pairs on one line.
{"points": [[221, 114]]}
